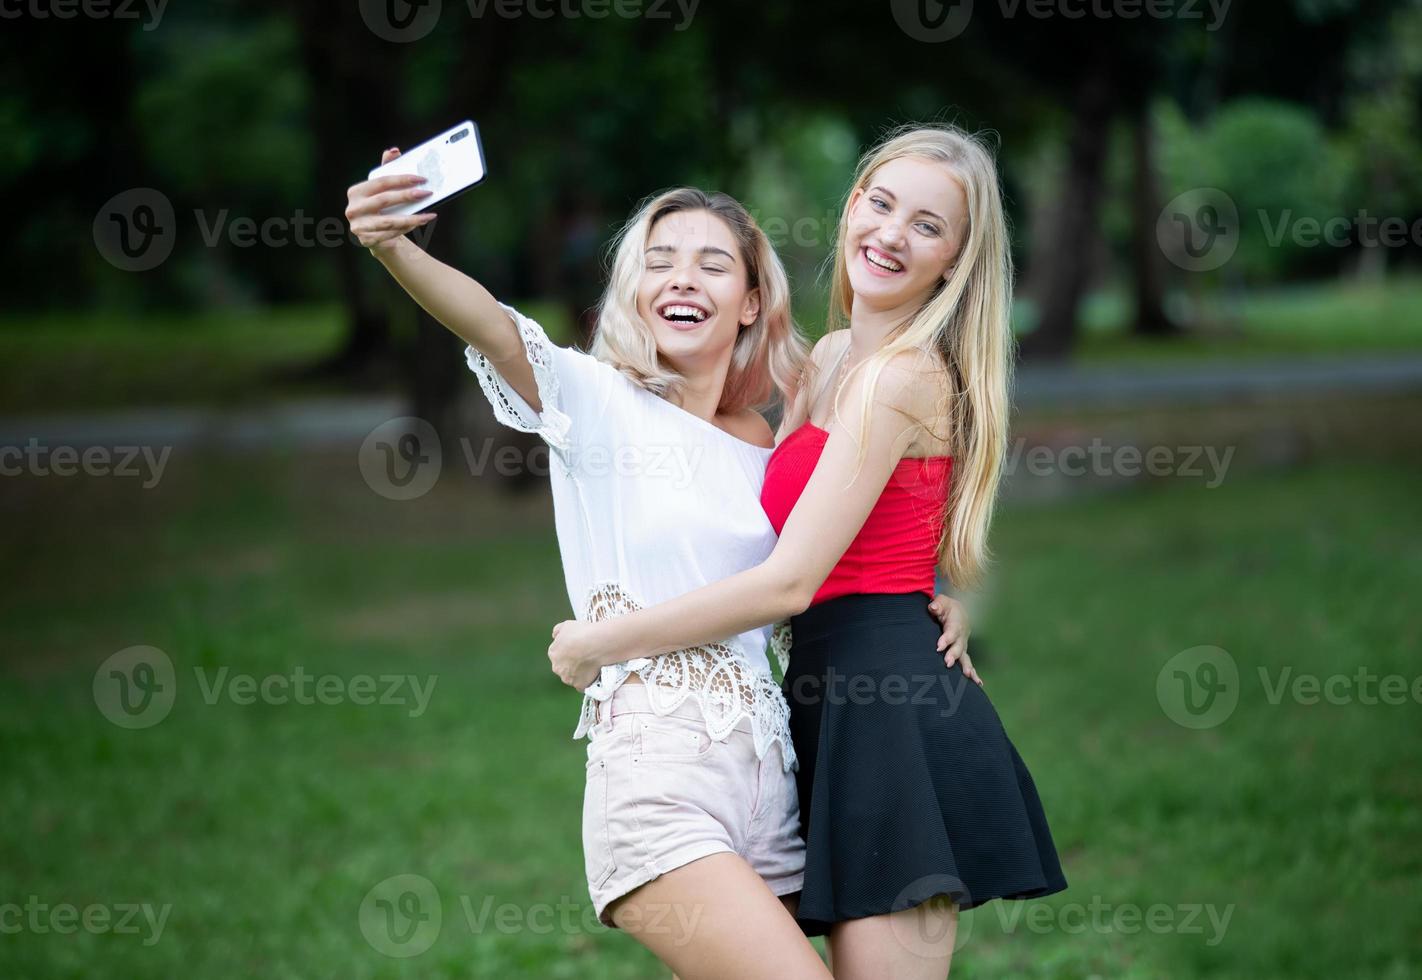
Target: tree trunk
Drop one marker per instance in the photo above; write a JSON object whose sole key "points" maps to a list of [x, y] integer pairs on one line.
{"points": [[1147, 260], [353, 110], [1071, 241]]}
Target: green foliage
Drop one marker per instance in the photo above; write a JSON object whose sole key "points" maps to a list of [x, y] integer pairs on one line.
{"points": [[1277, 165], [1382, 135], [222, 112]]}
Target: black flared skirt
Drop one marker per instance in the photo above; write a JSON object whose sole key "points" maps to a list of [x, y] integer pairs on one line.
{"points": [[909, 786]]}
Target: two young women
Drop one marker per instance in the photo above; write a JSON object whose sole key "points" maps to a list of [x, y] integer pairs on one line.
{"points": [[911, 807]]}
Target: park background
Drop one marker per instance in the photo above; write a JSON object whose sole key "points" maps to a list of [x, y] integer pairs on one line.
{"points": [[1211, 668]]}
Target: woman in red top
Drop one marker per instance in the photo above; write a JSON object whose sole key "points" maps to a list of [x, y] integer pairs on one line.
{"points": [[914, 802]]}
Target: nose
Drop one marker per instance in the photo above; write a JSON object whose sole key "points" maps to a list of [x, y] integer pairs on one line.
{"points": [[892, 232]]}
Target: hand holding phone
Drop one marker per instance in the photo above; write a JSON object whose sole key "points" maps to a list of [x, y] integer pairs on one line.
{"points": [[451, 163], [391, 202]]}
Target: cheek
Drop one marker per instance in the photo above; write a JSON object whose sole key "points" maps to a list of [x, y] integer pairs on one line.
{"points": [[729, 300], [860, 221], [934, 259], [853, 240]]}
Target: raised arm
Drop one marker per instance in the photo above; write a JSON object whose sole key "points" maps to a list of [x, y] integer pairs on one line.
{"points": [[448, 295], [829, 514]]}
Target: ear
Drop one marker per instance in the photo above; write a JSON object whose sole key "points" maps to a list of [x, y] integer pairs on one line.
{"points": [[750, 309]]}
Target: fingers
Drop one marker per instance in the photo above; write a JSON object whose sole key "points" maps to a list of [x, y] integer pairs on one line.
{"points": [[938, 606], [376, 203], [390, 223], [957, 654], [373, 231], [955, 651], [359, 195], [971, 671], [389, 154], [369, 204], [378, 185], [953, 632]]}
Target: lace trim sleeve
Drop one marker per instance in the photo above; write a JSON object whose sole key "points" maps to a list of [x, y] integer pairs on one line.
{"points": [[510, 408]]}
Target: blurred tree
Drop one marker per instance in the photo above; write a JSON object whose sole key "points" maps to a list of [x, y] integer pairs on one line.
{"points": [[357, 100], [1381, 138], [66, 147]]}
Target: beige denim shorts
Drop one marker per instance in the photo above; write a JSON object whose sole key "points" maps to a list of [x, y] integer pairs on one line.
{"points": [[662, 793]]}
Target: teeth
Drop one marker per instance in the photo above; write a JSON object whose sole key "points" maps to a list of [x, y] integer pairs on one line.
{"points": [[691, 311], [884, 262]]}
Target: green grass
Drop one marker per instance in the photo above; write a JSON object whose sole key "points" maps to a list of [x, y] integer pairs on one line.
{"points": [[264, 826], [70, 362], [73, 362]]}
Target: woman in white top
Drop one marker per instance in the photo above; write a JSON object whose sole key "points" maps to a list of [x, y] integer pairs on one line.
{"points": [[690, 819]]}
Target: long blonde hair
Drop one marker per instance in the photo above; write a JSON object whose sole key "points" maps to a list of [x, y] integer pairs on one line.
{"points": [[966, 320], [769, 355]]}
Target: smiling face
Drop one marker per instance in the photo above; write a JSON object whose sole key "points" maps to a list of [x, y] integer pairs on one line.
{"points": [[903, 232], [695, 290]]}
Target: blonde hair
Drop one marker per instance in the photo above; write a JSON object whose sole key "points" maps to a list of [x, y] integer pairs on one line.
{"points": [[966, 321], [769, 355]]}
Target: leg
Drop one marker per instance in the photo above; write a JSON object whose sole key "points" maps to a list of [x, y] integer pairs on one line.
{"points": [[714, 918], [915, 943]]}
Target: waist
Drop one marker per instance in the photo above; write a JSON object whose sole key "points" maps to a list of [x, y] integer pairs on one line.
{"points": [[859, 611], [632, 697], [878, 573]]}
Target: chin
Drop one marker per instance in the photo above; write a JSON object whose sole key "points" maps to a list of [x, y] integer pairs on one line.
{"points": [[679, 346]]}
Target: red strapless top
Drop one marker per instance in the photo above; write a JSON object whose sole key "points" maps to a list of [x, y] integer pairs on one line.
{"points": [[896, 550]]}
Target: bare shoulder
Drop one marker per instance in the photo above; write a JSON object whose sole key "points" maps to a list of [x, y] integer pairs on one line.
{"points": [[752, 427], [910, 388], [912, 379]]}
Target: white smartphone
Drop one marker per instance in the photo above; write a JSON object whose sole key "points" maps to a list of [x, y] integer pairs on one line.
{"points": [[451, 163]]}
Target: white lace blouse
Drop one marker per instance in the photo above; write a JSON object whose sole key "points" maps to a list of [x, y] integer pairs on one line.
{"points": [[650, 502]]}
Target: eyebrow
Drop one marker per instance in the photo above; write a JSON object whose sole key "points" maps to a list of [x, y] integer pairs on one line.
{"points": [[931, 214], [704, 250]]}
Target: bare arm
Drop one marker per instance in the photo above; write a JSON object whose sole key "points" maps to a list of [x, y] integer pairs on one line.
{"points": [[827, 517], [465, 307]]}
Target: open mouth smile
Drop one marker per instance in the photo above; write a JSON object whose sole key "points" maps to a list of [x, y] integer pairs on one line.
{"points": [[880, 263], [683, 315]]}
